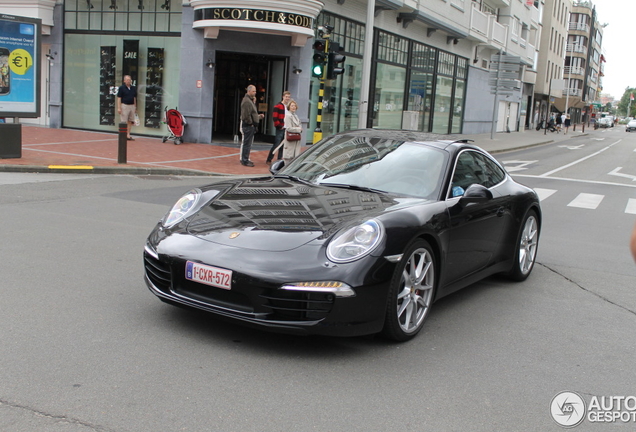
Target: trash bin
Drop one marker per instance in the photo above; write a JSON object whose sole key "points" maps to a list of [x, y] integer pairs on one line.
{"points": [[10, 140]]}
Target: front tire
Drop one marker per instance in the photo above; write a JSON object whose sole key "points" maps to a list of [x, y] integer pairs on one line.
{"points": [[526, 249], [411, 292]]}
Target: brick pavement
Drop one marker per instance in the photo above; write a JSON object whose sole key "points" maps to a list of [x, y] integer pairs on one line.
{"points": [[76, 149]]}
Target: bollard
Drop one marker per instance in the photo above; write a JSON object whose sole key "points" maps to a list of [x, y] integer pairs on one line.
{"points": [[123, 142]]}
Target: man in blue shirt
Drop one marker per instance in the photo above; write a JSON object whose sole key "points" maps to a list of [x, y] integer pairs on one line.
{"points": [[127, 103]]}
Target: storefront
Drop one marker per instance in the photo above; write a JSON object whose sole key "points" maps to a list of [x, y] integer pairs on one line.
{"points": [[200, 57]]}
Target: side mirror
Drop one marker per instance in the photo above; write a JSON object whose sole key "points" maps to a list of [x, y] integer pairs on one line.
{"points": [[476, 193], [276, 166]]}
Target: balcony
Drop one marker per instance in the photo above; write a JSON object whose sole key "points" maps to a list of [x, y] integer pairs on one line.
{"points": [[581, 49], [484, 26], [574, 70], [582, 27], [500, 3], [535, 19], [572, 92]]}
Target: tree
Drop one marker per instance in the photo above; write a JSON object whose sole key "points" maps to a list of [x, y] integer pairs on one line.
{"points": [[624, 103]]}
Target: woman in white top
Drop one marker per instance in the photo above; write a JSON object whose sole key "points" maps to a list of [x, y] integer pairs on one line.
{"points": [[291, 149]]}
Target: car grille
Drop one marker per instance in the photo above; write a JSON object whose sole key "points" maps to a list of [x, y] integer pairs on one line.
{"points": [[157, 272], [297, 305], [214, 296]]}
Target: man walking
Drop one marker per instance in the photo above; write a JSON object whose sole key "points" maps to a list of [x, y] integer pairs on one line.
{"points": [[249, 122], [127, 104], [278, 115]]}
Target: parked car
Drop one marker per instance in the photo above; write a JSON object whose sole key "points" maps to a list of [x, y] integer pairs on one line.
{"points": [[630, 126], [360, 234], [605, 122]]}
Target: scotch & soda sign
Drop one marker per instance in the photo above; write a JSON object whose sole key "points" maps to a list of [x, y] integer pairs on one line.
{"points": [[256, 15]]}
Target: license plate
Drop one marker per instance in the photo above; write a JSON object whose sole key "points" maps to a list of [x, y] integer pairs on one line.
{"points": [[209, 275]]}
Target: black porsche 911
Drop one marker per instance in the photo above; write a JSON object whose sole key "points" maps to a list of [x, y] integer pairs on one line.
{"points": [[358, 235]]}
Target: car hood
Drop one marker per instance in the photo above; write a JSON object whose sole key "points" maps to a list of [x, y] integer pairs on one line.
{"points": [[277, 214]]}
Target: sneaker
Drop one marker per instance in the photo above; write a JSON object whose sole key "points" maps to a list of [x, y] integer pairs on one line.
{"points": [[248, 163]]}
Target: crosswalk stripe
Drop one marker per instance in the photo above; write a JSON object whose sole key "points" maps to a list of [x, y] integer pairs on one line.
{"points": [[544, 193], [631, 206], [587, 201]]}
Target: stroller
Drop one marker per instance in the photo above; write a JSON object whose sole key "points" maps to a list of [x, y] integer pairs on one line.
{"points": [[175, 123]]}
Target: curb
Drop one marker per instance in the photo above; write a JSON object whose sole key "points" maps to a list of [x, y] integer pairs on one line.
{"points": [[59, 169]]}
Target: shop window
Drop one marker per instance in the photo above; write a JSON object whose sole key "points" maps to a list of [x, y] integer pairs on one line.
{"points": [[94, 67], [443, 104], [458, 107], [389, 96]]}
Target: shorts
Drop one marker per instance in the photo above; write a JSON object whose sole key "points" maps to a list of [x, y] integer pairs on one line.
{"points": [[127, 113]]}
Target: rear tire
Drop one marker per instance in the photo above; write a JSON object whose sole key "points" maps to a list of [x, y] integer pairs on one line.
{"points": [[526, 247], [411, 292]]}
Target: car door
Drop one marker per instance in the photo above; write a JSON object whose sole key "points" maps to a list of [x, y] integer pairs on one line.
{"points": [[476, 227]]}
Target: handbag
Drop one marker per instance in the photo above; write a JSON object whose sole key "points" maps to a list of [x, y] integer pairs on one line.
{"points": [[292, 136]]}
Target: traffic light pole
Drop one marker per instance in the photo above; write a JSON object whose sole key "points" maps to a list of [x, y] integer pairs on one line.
{"points": [[321, 93]]}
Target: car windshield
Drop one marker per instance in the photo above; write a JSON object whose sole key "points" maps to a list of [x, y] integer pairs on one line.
{"points": [[375, 164]]}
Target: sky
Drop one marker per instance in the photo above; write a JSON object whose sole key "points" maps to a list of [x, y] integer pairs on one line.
{"points": [[620, 67]]}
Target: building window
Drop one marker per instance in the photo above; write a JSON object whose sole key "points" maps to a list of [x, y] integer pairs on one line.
{"points": [[123, 15]]}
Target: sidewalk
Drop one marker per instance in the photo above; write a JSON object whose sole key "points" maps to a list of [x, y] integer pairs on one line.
{"points": [[69, 150]]}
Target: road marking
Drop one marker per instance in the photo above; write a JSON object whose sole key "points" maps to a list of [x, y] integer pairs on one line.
{"points": [[521, 165], [544, 193], [616, 173], [578, 147], [77, 167], [580, 160], [587, 201], [631, 206]]}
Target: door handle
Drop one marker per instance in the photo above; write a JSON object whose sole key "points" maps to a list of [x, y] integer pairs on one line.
{"points": [[500, 211]]}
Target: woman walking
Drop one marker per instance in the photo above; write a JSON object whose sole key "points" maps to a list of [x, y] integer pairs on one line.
{"points": [[291, 147]]}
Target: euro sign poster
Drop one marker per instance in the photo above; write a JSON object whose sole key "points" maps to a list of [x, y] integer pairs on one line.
{"points": [[19, 66]]}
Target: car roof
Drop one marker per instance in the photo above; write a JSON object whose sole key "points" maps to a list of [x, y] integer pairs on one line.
{"points": [[437, 140]]}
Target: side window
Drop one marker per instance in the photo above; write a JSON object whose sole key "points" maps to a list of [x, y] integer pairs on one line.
{"points": [[471, 168], [492, 174], [464, 174]]}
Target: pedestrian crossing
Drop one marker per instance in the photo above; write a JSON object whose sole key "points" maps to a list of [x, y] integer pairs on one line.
{"points": [[585, 200]]}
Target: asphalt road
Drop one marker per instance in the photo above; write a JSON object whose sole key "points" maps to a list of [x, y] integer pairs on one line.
{"points": [[86, 347]]}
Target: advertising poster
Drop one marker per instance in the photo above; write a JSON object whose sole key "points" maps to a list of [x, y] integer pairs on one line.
{"points": [[19, 66]]}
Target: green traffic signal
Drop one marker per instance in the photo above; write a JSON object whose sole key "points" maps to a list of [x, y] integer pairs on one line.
{"points": [[320, 57]]}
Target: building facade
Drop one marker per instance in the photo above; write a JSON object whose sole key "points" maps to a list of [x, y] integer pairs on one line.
{"points": [[584, 64], [550, 66], [410, 64]]}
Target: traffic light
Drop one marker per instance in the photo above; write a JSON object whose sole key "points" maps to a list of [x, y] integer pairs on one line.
{"points": [[318, 67], [335, 65]]}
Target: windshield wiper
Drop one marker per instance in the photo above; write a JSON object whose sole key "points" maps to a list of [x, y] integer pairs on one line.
{"points": [[353, 187], [295, 178]]}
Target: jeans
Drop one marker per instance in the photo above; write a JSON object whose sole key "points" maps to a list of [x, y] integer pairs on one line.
{"points": [[280, 134], [248, 139]]}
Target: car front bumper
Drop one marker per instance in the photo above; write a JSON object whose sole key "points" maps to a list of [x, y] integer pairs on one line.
{"points": [[257, 297]]}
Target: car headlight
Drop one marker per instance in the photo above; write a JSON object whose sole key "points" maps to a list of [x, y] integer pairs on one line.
{"points": [[182, 208], [355, 242]]}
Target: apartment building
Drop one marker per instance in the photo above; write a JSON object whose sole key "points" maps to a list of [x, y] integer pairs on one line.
{"points": [[551, 59], [410, 64], [584, 63]]}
